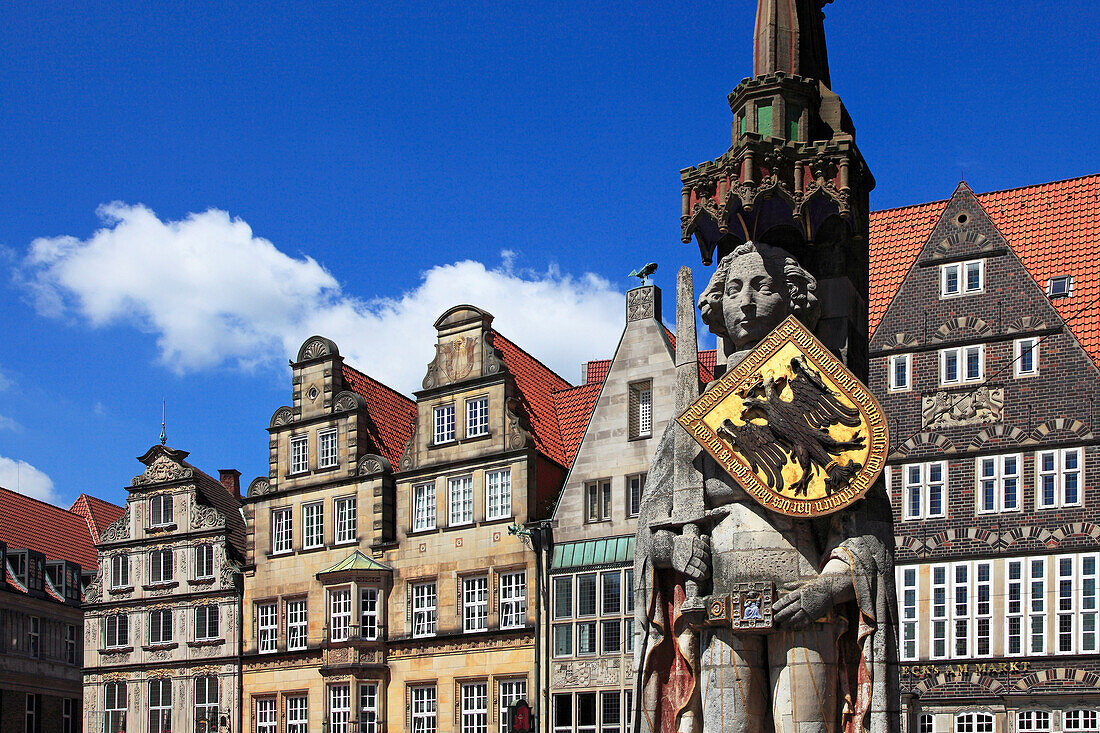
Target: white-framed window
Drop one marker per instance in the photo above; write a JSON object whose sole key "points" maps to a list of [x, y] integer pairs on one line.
{"points": [[939, 612], [34, 637], [120, 571], [69, 715], [1037, 605], [498, 494], [117, 631], [313, 525], [513, 600], [477, 417], [204, 561], [297, 714], [960, 610], [983, 609], [423, 601], [475, 708], [460, 494], [327, 454], [160, 706], [339, 709], [640, 404], [299, 453], [909, 620], [999, 484], [926, 723], [962, 278], [423, 709], [70, 644], [610, 712], [114, 706], [925, 490], [1058, 478], [1060, 287], [1065, 607], [339, 617], [297, 624], [563, 713], [282, 530], [510, 692], [444, 424], [475, 604], [160, 510], [160, 566], [1014, 607], [974, 722], [598, 500], [1079, 720], [267, 717], [160, 626], [368, 707], [1033, 721], [634, 486], [900, 372], [962, 364], [206, 622], [206, 702], [267, 627], [346, 522], [1025, 357], [423, 507], [1087, 605], [368, 613]]}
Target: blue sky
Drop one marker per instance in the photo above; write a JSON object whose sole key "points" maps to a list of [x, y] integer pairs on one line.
{"points": [[190, 192]]}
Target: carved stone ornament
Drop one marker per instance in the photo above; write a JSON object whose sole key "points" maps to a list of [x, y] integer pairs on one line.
{"points": [[587, 673], [119, 529], [494, 360], [456, 358], [203, 517], [347, 401], [408, 456], [315, 348], [283, 416], [639, 304], [792, 391], [372, 465], [259, 487], [517, 436], [162, 470], [983, 406], [94, 591]]}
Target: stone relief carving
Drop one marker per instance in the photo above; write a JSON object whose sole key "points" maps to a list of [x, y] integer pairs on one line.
{"points": [[639, 304], [494, 360], [94, 591], [372, 464], [162, 469], [119, 529], [517, 436], [587, 673], [203, 516], [227, 575], [259, 487], [314, 349], [283, 416], [948, 409], [408, 456], [347, 401]]}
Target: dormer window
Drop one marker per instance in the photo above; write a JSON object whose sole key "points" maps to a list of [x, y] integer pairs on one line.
{"points": [[1060, 287], [160, 510], [444, 423], [962, 278]]}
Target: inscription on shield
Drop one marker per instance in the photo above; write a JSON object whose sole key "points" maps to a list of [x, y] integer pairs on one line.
{"points": [[797, 430]]}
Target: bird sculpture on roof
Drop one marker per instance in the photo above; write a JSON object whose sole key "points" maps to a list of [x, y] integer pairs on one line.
{"points": [[644, 272]]}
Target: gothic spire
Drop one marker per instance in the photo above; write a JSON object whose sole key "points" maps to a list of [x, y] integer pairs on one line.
{"points": [[790, 37]]}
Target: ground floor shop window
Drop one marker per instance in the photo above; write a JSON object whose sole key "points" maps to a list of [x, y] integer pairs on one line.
{"points": [[974, 722], [266, 716], [1079, 720], [511, 691]]}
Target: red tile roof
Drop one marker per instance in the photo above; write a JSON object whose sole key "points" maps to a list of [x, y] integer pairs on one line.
{"points": [[574, 407], [707, 358], [1054, 228], [57, 533], [597, 370], [537, 384], [98, 513], [393, 415]]}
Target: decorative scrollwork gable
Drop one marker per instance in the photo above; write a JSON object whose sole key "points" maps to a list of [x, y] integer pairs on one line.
{"points": [[259, 486], [348, 401], [518, 436], [119, 529], [316, 347], [408, 455], [494, 359], [205, 517], [373, 465], [283, 416], [162, 470]]}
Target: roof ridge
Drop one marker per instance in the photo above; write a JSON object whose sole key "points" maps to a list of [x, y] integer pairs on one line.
{"points": [[988, 193], [531, 356], [381, 384], [40, 501]]}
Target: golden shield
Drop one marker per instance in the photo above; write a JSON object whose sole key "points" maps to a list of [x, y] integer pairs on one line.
{"points": [[797, 430]]}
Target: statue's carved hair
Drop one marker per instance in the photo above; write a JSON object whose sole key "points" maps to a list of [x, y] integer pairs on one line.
{"points": [[801, 285]]}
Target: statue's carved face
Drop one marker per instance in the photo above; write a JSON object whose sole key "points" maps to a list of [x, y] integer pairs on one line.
{"points": [[754, 302]]}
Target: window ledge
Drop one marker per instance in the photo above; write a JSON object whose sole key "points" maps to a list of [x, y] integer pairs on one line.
{"points": [[421, 532], [158, 528], [327, 469], [281, 553], [343, 543], [160, 647], [205, 642], [647, 436], [121, 589], [202, 581], [117, 650], [162, 585]]}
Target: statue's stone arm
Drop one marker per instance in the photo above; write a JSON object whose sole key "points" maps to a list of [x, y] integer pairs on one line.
{"points": [[813, 600]]}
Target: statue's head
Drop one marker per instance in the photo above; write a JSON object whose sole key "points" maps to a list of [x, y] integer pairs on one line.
{"points": [[753, 289]]}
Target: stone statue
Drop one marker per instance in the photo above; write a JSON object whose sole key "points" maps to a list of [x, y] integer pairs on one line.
{"points": [[827, 661]]}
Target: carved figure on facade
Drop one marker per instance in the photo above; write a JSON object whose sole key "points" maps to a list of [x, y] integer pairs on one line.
{"points": [[283, 416], [813, 643], [982, 406]]}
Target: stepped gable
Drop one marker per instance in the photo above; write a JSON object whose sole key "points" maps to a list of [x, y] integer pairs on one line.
{"points": [[1053, 228], [574, 407], [537, 384], [98, 513], [393, 415], [57, 533]]}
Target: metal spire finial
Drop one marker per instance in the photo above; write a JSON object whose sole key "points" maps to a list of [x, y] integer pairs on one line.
{"points": [[163, 434]]}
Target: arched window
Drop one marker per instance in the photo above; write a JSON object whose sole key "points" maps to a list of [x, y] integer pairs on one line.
{"points": [[974, 722], [1079, 720], [1033, 721], [114, 707]]}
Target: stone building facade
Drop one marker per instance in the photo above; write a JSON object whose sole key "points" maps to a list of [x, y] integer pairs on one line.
{"points": [[46, 557], [984, 357], [162, 616]]}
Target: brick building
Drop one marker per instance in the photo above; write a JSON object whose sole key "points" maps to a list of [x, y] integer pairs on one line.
{"points": [[47, 556], [984, 354]]}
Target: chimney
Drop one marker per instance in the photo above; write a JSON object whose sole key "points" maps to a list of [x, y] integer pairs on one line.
{"points": [[231, 479]]}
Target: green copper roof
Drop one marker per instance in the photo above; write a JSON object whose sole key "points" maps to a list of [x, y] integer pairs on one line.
{"points": [[356, 561], [593, 552]]}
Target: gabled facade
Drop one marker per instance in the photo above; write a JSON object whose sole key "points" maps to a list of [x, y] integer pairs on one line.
{"points": [[315, 624], [994, 464], [47, 554], [162, 616]]}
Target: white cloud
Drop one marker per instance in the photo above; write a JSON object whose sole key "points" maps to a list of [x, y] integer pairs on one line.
{"points": [[24, 478], [6, 423], [212, 293]]}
